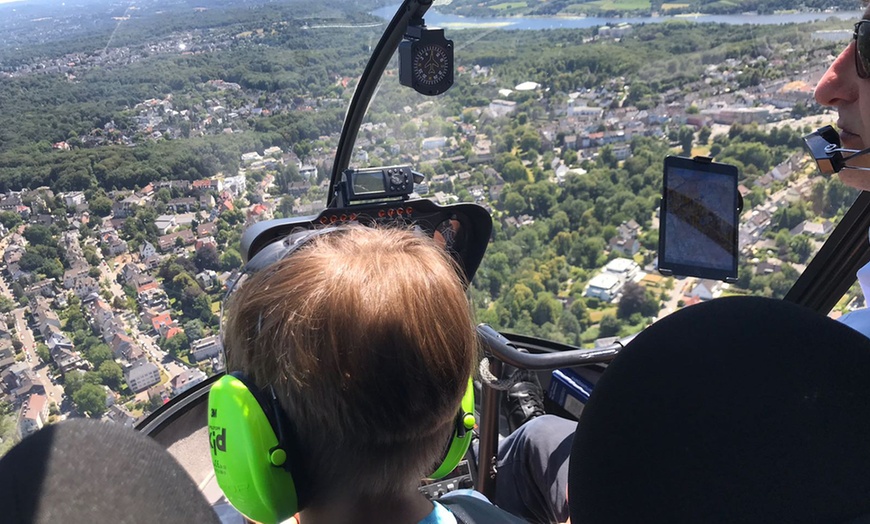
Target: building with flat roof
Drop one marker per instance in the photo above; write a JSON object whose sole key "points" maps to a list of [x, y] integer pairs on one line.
{"points": [[624, 268], [604, 286], [141, 375], [206, 348]]}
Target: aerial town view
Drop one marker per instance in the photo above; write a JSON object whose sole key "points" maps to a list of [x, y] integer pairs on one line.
{"points": [[139, 140]]}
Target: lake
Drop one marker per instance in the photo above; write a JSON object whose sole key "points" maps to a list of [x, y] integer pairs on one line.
{"points": [[434, 18]]}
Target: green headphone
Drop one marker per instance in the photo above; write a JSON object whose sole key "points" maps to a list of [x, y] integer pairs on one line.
{"points": [[253, 448], [253, 443]]}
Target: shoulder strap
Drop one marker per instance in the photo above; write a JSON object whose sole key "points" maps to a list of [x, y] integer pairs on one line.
{"points": [[470, 510]]}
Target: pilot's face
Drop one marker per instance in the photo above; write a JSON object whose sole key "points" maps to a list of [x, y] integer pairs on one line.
{"points": [[842, 88]]}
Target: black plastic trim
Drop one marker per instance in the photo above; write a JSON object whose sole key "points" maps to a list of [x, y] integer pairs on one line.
{"points": [[368, 83], [156, 422], [505, 350]]}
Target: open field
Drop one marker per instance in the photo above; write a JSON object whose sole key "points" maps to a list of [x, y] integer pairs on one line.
{"points": [[609, 5], [508, 5]]}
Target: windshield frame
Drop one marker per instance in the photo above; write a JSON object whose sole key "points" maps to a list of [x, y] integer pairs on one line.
{"points": [[832, 271], [409, 11]]}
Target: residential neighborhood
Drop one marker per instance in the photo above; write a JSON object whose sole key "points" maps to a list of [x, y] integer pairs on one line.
{"points": [[120, 230]]}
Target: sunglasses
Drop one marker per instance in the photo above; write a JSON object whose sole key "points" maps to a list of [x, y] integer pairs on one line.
{"points": [[861, 36]]}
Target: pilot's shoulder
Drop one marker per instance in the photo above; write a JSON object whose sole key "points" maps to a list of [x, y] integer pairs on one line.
{"points": [[859, 320]]}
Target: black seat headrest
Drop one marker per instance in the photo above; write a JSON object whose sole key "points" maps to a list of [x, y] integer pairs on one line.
{"points": [[737, 410], [88, 471]]}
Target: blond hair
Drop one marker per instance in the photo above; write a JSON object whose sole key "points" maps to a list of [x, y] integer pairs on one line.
{"points": [[367, 338]]}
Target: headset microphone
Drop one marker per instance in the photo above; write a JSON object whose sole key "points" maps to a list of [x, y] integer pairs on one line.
{"points": [[824, 144]]}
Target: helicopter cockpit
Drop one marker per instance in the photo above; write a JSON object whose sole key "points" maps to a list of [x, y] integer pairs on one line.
{"points": [[377, 194], [558, 253]]}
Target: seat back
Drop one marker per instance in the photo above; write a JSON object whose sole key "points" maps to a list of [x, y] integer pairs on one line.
{"points": [[88, 471], [737, 410]]}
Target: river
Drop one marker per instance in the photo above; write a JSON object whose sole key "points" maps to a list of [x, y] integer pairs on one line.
{"points": [[434, 18]]}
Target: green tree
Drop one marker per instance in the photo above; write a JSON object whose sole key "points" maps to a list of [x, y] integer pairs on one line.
{"points": [[686, 136], [802, 247], [175, 345], [10, 219], [38, 234], [91, 399], [111, 374], [42, 352], [635, 299], [569, 157], [514, 203], [607, 158], [530, 141], [6, 304], [230, 259], [570, 327], [207, 258], [73, 381], [100, 206], [514, 171], [194, 329], [547, 309], [609, 326]]}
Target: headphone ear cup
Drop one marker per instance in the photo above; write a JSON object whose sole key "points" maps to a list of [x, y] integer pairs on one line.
{"points": [[461, 440], [246, 454]]}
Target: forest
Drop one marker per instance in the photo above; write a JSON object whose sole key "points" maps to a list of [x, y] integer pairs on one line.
{"points": [[95, 113]]}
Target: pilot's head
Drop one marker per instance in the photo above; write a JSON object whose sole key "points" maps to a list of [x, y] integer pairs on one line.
{"points": [[367, 339], [846, 86]]}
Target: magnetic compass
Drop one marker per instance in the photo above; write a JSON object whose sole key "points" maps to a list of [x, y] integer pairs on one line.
{"points": [[426, 60]]}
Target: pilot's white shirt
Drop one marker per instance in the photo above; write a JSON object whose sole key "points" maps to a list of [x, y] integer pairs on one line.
{"points": [[859, 320]]}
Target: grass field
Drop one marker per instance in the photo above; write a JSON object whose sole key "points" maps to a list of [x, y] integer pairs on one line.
{"points": [[666, 7], [611, 5], [701, 150], [508, 5], [589, 336], [595, 315]]}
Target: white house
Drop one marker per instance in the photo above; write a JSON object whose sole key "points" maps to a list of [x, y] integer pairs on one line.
{"points": [[141, 375], [206, 348], [706, 289], [186, 380], [34, 415], [434, 142], [165, 223], [500, 108], [147, 250], [73, 199], [250, 158], [274, 151], [625, 268], [604, 286]]}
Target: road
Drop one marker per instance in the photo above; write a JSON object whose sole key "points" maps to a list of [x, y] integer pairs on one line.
{"points": [[681, 286], [110, 275], [145, 341], [41, 370]]}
